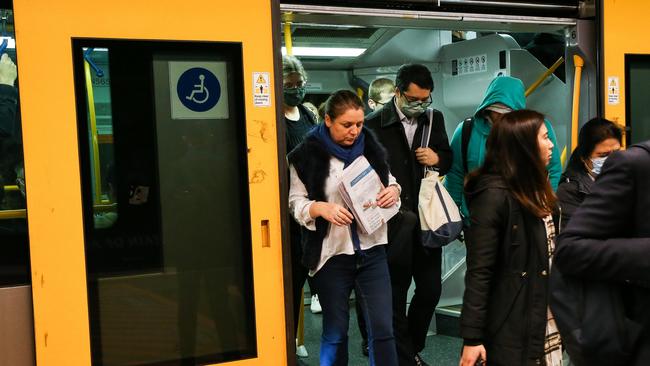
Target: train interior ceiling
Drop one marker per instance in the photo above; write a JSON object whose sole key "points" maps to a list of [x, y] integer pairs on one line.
{"points": [[464, 57]]}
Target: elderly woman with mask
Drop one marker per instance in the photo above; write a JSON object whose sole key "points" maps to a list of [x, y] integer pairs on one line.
{"points": [[298, 120]]}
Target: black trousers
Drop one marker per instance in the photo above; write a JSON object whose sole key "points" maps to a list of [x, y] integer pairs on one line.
{"points": [[428, 285]]}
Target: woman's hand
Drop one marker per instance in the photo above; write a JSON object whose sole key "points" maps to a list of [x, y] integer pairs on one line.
{"points": [[426, 156], [472, 354], [388, 197], [336, 214]]}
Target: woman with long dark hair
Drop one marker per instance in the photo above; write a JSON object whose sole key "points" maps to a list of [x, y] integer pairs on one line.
{"points": [[598, 138], [505, 317], [339, 256]]}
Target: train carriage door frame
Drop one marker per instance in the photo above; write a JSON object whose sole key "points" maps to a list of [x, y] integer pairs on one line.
{"points": [[623, 23], [46, 32]]}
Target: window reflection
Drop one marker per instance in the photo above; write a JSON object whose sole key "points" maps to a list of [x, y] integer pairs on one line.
{"points": [[167, 221], [14, 257]]}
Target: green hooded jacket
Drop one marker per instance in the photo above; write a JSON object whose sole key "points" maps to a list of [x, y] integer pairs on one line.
{"points": [[506, 90]]}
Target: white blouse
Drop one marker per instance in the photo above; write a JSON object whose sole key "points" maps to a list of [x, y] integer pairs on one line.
{"points": [[338, 239]]}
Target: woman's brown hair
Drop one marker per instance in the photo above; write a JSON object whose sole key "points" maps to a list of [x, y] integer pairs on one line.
{"points": [[513, 152], [340, 101]]}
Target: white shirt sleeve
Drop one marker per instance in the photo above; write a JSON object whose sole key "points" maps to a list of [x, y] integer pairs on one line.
{"points": [[299, 203], [393, 182]]}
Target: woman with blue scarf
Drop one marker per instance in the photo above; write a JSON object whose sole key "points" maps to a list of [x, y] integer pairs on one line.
{"points": [[340, 257]]}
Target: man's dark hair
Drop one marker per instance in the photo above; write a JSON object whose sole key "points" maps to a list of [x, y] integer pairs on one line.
{"points": [[417, 74]]}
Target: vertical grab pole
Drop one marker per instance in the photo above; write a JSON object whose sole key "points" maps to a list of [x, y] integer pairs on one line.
{"points": [[579, 63], [288, 44], [97, 197]]}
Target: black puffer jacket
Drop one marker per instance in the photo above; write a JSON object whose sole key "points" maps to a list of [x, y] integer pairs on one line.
{"points": [[506, 284]]}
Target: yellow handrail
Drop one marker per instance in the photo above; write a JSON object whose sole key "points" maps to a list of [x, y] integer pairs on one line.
{"points": [[13, 214], [93, 131], [543, 77], [21, 213], [11, 188], [579, 63], [287, 38]]}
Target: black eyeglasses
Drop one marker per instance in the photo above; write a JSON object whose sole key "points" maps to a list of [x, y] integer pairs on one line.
{"points": [[379, 103], [418, 103]]}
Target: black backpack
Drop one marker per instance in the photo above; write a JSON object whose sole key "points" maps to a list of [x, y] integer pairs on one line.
{"points": [[466, 133]]}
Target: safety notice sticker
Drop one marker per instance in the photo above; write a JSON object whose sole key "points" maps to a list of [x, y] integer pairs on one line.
{"points": [[261, 89], [613, 95], [469, 65]]}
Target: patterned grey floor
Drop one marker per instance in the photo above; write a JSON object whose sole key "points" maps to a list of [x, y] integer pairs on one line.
{"points": [[440, 350]]}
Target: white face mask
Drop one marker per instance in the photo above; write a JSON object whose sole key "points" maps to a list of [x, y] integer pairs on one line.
{"points": [[597, 164]]}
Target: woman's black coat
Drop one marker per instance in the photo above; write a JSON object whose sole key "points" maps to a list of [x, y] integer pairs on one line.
{"points": [[575, 185], [506, 284]]}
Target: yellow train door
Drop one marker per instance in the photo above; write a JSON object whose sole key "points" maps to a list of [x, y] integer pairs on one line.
{"points": [[626, 65], [153, 192]]}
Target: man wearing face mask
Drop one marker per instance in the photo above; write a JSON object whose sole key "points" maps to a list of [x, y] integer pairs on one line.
{"points": [[503, 95], [399, 125], [298, 121], [597, 139]]}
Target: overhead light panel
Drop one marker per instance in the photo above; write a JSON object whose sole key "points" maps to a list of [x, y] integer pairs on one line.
{"points": [[325, 51]]}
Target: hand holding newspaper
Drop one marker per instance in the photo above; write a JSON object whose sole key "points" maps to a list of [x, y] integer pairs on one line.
{"points": [[359, 187]]}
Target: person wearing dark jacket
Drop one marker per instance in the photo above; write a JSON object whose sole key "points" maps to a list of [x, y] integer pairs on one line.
{"points": [[399, 125], [338, 254], [505, 319], [598, 138], [608, 237], [298, 121], [10, 147]]}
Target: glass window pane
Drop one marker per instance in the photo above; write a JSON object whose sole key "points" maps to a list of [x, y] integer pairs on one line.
{"points": [[638, 108], [14, 256], [169, 271]]}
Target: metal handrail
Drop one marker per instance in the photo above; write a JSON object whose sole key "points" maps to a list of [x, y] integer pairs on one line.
{"points": [[93, 130], [543, 77], [579, 63], [21, 213]]}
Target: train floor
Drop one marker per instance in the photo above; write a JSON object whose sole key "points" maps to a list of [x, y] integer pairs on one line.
{"points": [[440, 350]]}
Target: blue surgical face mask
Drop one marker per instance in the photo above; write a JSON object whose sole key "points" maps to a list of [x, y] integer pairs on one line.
{"points": [[597, 164]]}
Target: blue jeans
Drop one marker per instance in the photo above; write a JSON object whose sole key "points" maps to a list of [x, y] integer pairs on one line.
{"points": [[367, 273]]}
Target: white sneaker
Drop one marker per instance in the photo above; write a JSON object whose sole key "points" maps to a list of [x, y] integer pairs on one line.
{"points": [[315, 305], [301, 351]]}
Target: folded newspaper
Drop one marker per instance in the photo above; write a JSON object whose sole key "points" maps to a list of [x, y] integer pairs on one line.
{"points": [[359, 187]]}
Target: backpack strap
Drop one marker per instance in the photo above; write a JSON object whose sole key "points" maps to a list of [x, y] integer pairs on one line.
{"points": [[468, 123]]}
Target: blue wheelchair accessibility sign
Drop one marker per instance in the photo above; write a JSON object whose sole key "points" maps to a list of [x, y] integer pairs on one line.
{"points": [[198, 89]]}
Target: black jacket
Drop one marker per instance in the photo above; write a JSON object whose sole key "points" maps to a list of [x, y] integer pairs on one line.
{"points": [[312, 163], [575, 185], [608, 237], [401, 157], [506, 284]]}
